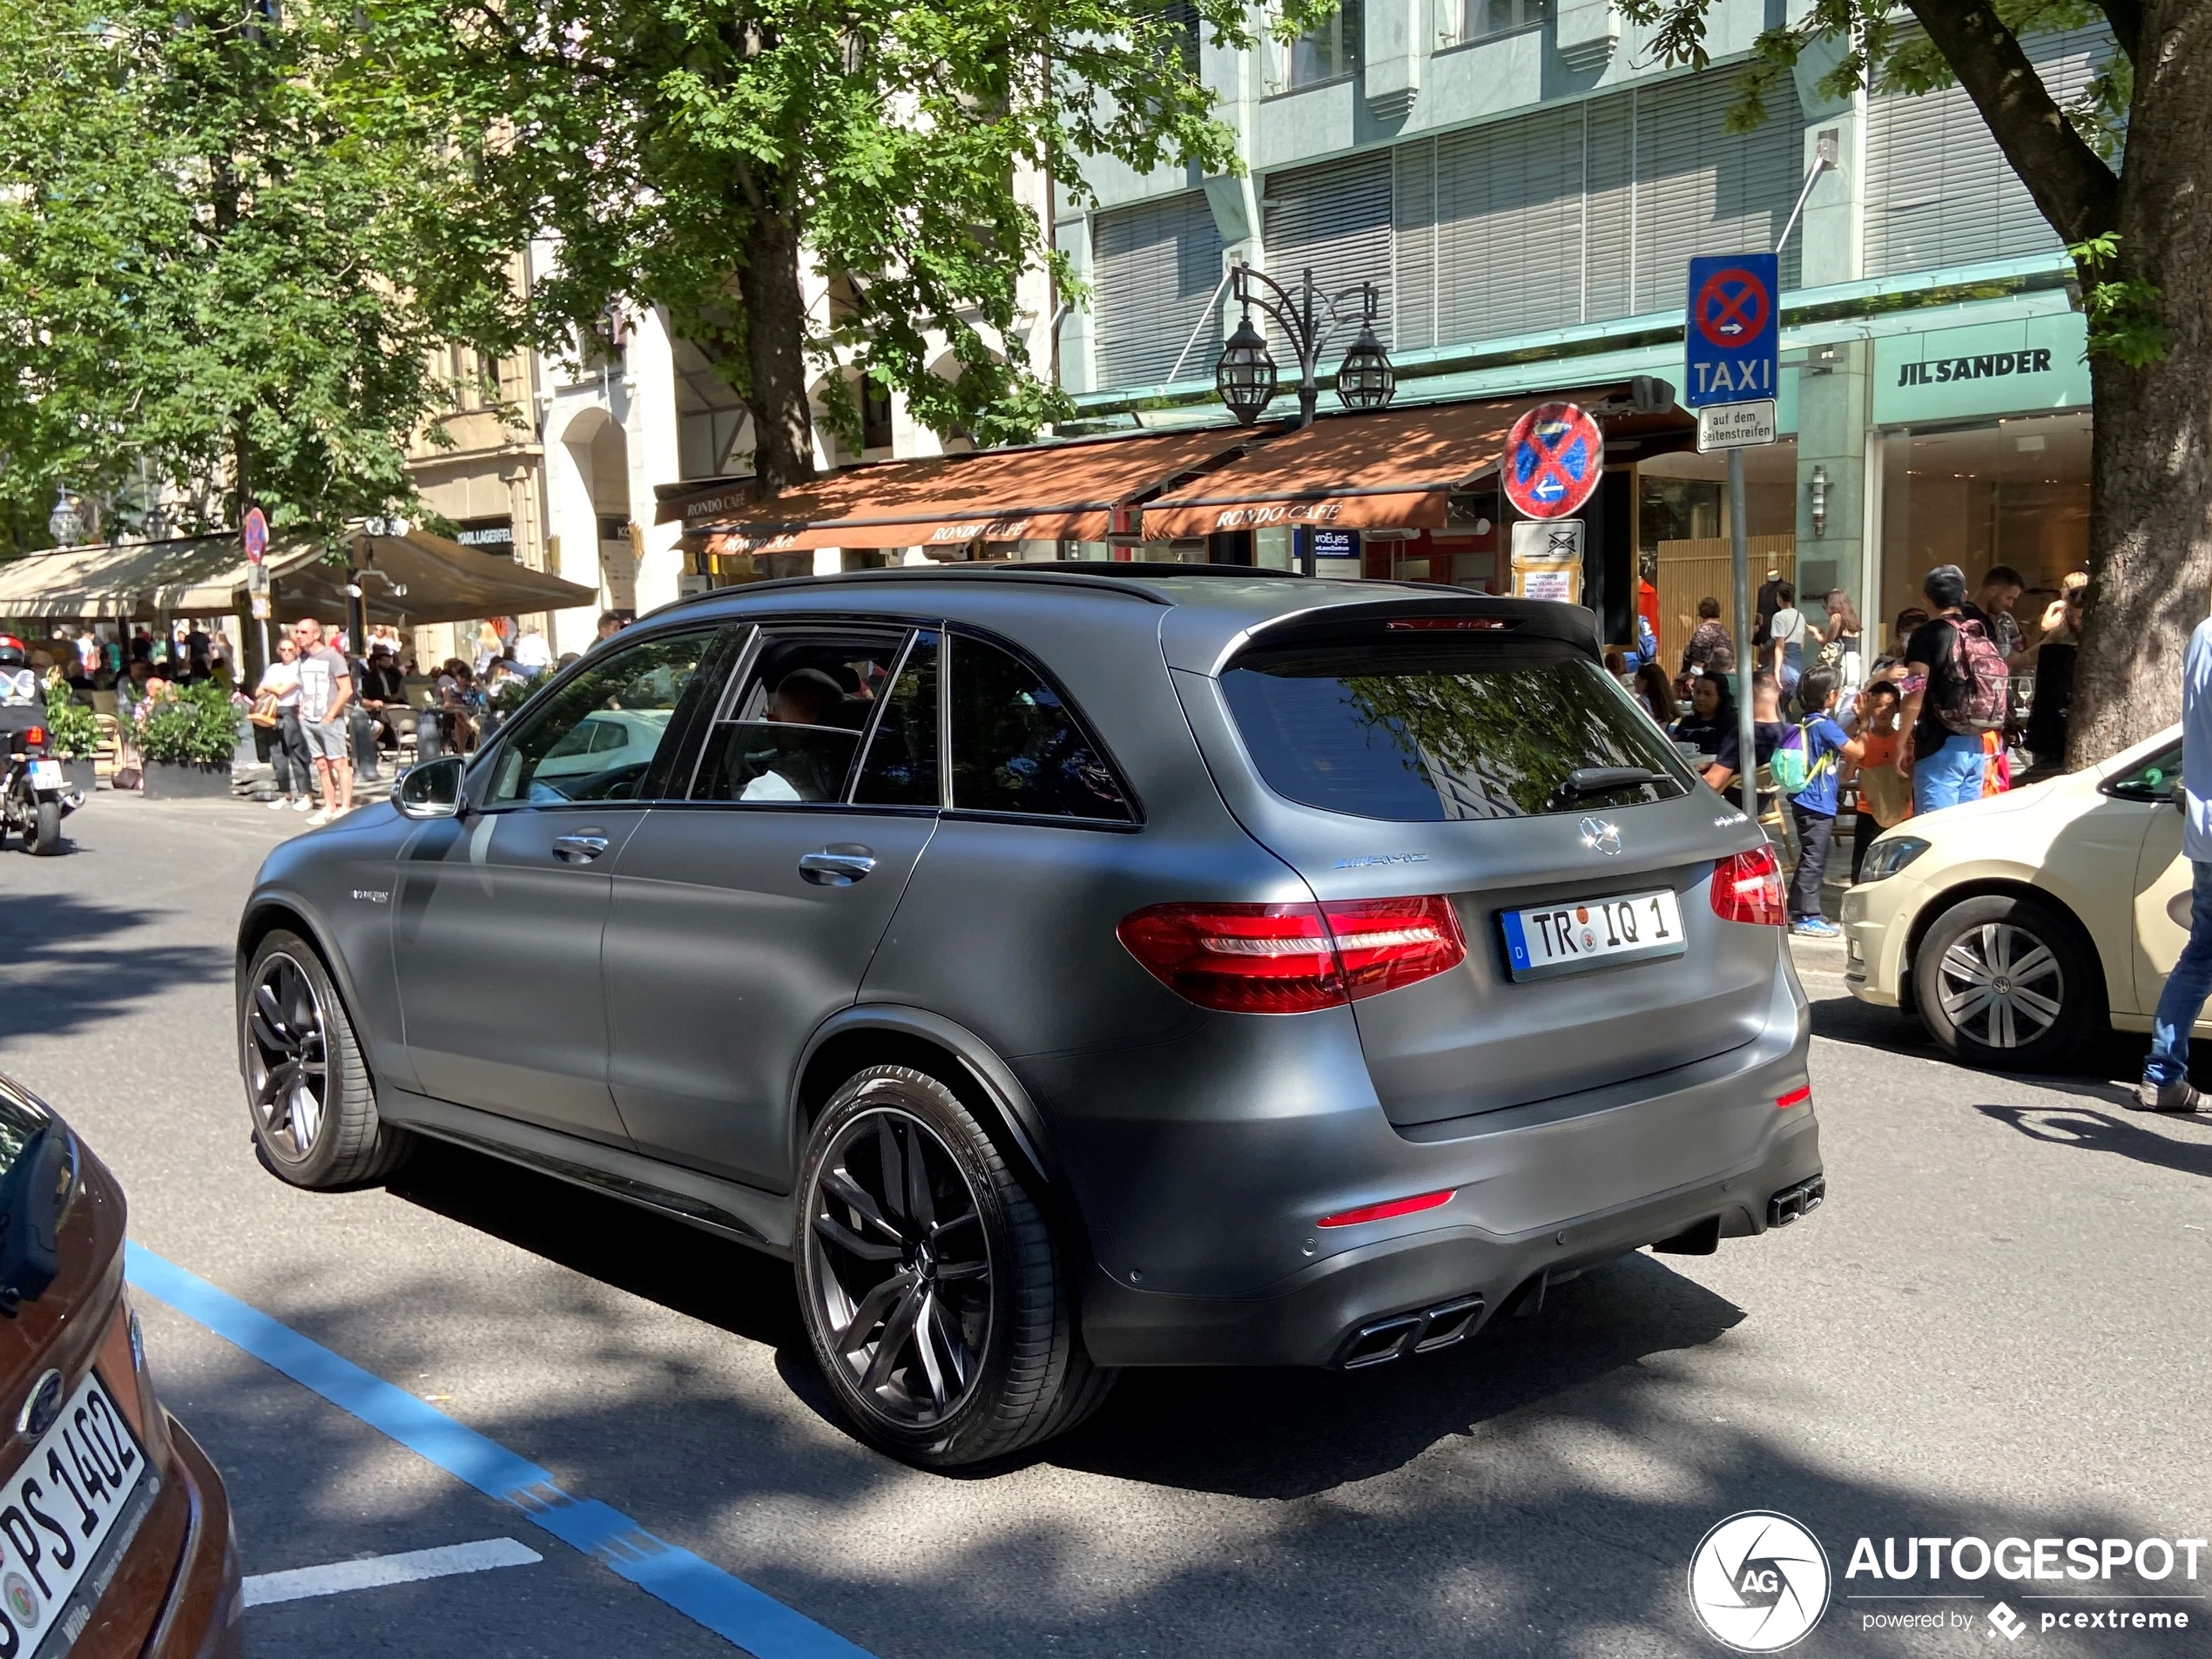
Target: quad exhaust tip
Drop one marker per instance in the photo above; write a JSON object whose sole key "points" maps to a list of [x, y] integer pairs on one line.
{"points": [[1423, 1331], [1791, 1203]]}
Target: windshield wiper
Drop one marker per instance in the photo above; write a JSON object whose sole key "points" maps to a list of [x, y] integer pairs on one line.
{"points": [[1603, 781]]}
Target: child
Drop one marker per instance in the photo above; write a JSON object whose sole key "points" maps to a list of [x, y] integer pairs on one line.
{"points": [[1885, 798], [1768, 730], [1827, 748]]}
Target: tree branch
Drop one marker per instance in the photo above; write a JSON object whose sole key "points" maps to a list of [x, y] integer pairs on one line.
{"points": [[2126, 18], [2077, 193]]}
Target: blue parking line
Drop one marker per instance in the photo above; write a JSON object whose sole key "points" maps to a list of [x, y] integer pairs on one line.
{"points": [[729, 1607]]}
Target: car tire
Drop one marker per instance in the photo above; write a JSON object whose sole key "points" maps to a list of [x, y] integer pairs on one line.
{"points": [[960, 1277], [294, 1029], [2007, 982]]}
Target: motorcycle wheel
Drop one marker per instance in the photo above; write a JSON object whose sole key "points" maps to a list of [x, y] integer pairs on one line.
{"points": [[46, 836]]}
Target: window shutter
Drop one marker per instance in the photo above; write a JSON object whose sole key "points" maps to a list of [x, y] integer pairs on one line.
{"points": [[1609, 209], [1415, 311], [1939, 190], [1702, 190], [1509, 227], [1154, 266], [1337, 219]]}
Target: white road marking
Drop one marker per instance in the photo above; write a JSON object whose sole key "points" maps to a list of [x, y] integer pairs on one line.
{"points": [[415, 1564]]}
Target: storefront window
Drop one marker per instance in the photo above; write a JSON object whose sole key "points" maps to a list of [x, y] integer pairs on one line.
{"points": [[1683, 532], [2012, 491]]}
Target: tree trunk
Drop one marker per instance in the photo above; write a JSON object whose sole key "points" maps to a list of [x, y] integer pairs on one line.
{"points": [[2150, 514], [783, 427]]}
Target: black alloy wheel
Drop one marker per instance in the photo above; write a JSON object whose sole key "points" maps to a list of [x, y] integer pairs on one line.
{"points": [[288, 1057], [308, 1087], [902, 1267], [933, 1293]]}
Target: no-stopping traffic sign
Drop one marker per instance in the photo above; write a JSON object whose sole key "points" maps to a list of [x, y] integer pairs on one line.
{"points": [[1554, 455]]}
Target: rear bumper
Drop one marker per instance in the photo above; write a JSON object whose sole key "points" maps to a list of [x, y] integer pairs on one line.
{"points": [[204, 1615], [1318, 1318]]}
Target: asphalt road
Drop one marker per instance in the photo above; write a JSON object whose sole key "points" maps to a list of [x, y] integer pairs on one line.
{"points": [[1996, 1326]]}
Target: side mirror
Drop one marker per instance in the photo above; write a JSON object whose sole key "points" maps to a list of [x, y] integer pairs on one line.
{"points": [[431, 789]]}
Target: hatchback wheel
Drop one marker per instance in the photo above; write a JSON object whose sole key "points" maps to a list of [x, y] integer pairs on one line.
{"points": [[936, 1303], [2007, 983], [314, 1112]]}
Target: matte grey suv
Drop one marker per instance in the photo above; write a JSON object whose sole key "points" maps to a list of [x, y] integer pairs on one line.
{"points": [[1067, 967]]}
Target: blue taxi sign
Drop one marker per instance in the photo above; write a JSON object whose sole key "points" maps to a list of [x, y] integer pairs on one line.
{"points": [[1733, 337]]}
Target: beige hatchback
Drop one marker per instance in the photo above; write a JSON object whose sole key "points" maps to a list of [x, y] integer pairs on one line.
{"points": [[2022, 924]]}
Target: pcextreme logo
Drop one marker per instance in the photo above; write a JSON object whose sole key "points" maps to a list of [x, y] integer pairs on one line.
{"points": [[1759, 1582]]}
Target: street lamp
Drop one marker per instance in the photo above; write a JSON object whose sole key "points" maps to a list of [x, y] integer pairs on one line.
{"points": [[1246, 375], [65, 524]]}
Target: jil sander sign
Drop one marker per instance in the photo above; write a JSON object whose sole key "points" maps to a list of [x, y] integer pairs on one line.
{"points": [[1983, 367], [2023, 366]]}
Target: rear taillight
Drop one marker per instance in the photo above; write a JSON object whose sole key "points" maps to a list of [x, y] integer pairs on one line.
{"points": [[1747, 887], [34, 738], [1293, 958]]}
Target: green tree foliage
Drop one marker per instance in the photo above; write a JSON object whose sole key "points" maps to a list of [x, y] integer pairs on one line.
{"points": [[213, 284], [703, 155]]}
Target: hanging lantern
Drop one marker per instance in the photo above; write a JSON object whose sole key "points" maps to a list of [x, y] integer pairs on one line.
{"points": [[1246, 375], [1365, 379]]}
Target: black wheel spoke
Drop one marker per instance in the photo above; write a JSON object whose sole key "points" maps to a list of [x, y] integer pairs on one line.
{"points": [[894, 1169], [921, 1205], [852, 1244], [926, 1347], [949, 1271], [869, 1314], [897, 1332], [948, 1334], [850, 1193]]}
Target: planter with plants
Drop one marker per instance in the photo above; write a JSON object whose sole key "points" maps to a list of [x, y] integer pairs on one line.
{"points": [[187, 741], [72, 734]]}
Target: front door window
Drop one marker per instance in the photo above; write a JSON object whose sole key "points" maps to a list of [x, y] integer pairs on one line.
{"points": [[605, 734]]}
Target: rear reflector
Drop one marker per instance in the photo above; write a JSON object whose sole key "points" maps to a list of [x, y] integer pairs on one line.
{"points": [[1796, 1097], [1293, 958], [1385, 1211], [1747, 887]]}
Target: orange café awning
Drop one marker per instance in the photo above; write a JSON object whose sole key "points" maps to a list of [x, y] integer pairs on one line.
{"points": [[1046, 492], [1394, 470]]}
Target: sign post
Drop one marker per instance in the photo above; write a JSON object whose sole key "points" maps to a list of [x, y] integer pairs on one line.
{"points": [[1732, 348], [255, 532]]}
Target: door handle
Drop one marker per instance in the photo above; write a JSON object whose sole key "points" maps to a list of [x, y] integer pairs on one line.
{"points": [[580, 848], [837, 866]]}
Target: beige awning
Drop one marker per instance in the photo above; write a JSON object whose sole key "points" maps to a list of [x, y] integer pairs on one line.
{"points": [[206, 575]]}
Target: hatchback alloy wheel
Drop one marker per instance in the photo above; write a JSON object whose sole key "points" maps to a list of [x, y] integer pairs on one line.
{"points": [[2002, 985], [901, 1267], [288, 1056]]}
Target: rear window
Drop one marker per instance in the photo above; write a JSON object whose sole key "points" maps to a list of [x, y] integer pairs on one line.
{"points": [[1415, 732]]}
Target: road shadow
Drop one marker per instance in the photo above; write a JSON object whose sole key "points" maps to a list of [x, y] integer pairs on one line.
{"points": [[1284, 1434], [2128, 1136], [682, 1268], [61, 970]]}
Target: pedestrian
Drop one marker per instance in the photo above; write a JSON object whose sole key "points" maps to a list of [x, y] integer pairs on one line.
{"points": [[1885, 798], [1656, 691], [2052, 700], [1712, 713], [1710, 635], [1808, 767], [1843, 652], [1992, 606], [325, 688], [1955, 686], [610, 623], [1770, 600], [1767, 729], [280, 740], [2166, 1086], [1788, 630], [532, 655]]}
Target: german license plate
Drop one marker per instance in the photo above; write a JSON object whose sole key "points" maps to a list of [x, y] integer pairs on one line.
{"points": [[1592, 932], [58, 1509], [45, 774]]}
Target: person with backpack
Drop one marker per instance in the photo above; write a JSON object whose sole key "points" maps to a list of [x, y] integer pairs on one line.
{"points": [[1807, 769], [1956, 689]]}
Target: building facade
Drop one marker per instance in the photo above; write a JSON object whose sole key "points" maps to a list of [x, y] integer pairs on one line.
{"points": [[1525, 186]]}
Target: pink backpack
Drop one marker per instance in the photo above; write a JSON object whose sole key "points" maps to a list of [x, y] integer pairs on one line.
{"points": [[1979, 694]]}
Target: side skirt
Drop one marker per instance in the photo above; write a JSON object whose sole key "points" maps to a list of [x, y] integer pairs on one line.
{"points": [[724, 1208]]}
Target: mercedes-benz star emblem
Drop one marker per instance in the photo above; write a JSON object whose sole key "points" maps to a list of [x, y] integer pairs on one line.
{"points": [[1600, 835]]}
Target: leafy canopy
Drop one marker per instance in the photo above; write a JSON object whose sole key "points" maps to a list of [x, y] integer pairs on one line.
{"points": [[666, 143], [213, 282]]}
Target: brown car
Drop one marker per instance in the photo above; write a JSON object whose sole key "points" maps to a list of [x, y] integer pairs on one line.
{"points": [[115, 1532]]}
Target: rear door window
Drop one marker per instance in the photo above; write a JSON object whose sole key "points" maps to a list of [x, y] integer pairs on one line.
{"points": [[1417, 730], [1020, 746], [901, 766], [793, 726]]}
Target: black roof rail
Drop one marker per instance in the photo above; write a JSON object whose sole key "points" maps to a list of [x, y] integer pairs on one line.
{"points": [[1089, 573]]}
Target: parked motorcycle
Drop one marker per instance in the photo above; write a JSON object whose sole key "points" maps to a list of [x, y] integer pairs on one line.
{"points": [[35, 795]]}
